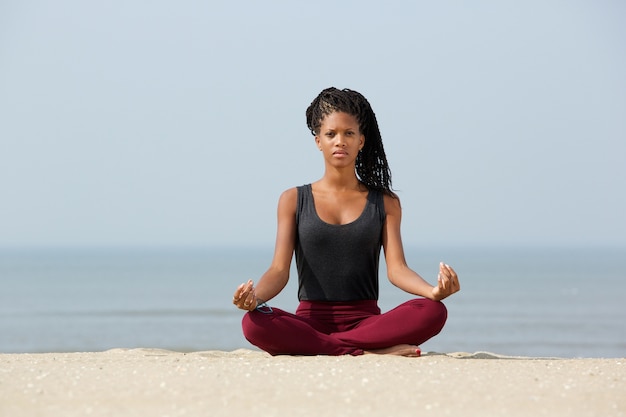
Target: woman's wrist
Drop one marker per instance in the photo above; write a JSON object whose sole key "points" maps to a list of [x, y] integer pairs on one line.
{"points": [[436, 295], [257, 302]]}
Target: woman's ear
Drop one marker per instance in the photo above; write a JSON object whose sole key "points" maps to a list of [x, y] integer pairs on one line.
{"points": [[362, 142], [317, 142]]}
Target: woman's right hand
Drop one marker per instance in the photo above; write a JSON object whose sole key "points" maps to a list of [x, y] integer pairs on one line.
{"points": [[244, 297]]}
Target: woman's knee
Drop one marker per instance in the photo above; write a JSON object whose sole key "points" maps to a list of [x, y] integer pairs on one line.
{"points": [[252, 327], [440, 312], [434, 312], [440, 309]]}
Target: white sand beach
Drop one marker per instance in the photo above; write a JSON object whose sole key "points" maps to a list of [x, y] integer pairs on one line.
{"points": [[152, 382]]}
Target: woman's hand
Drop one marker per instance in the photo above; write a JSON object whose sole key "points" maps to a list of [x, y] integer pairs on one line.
{"points": [[244, 297], [447, 282]]}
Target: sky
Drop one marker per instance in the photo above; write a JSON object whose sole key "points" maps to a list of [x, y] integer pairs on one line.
{"points": [[162, 123]]}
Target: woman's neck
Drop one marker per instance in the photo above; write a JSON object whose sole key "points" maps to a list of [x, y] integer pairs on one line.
{"points": [[340, 181]]}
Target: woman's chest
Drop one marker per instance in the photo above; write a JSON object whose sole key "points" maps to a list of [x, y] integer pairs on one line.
{"points": [[339, 210]]}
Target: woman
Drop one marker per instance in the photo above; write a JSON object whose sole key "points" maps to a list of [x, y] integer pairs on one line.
{"points": [[336, 227]]}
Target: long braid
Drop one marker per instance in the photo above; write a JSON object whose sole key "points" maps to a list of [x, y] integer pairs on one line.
{"points": [[371, 163]]}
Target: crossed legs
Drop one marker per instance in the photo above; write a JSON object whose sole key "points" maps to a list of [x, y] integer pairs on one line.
{"points": [[397, 331]]}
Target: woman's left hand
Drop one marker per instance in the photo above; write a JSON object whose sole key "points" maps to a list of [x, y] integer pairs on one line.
{"points": [[447, 282], [245, 297]]}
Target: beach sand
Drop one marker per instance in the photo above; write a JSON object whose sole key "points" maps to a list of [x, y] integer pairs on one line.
{"points": [[152, 382]]}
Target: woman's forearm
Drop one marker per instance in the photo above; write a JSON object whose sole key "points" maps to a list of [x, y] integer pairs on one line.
{"points": [[271, 283], [410, 281]]}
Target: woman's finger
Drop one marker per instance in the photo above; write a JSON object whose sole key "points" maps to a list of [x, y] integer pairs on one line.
{"points": [[237, 294], [249, 299], [449, 272], [444, 276], [441, 280], [453, 277]]}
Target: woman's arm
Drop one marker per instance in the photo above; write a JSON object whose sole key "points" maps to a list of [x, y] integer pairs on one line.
{"points": [[399, 272], [275, 278]]}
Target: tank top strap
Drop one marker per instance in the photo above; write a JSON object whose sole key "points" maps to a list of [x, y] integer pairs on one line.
{"points": [[378, 200], [305, 202]]}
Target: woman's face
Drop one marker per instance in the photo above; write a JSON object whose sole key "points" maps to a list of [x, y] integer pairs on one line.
{"points": [[340, 139]]}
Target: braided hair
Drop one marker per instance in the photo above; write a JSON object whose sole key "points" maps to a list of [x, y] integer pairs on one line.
{"points": [[371, 163]]}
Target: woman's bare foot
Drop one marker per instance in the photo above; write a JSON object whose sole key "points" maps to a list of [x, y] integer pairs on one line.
{"points": [[398, 350]]}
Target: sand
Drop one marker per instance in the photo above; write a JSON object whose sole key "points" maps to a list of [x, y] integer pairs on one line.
{"points": [[152, 382]]}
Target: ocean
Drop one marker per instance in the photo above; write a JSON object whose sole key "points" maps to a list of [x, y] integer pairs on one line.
{"points": [[521, 301]]}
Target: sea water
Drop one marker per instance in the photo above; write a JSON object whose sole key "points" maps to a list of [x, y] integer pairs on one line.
{"points": [[527, 301]]}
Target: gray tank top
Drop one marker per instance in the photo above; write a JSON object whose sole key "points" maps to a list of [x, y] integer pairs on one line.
{"points": [[338, 262]]}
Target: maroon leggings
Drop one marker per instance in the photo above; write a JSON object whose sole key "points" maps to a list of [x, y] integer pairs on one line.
{"points": [[325, 328]]}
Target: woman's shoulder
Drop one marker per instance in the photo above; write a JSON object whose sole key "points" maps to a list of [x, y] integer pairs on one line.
{"points": [[288, 202], [392, 202], [289, 193], [289, 198], [293, 191]]}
